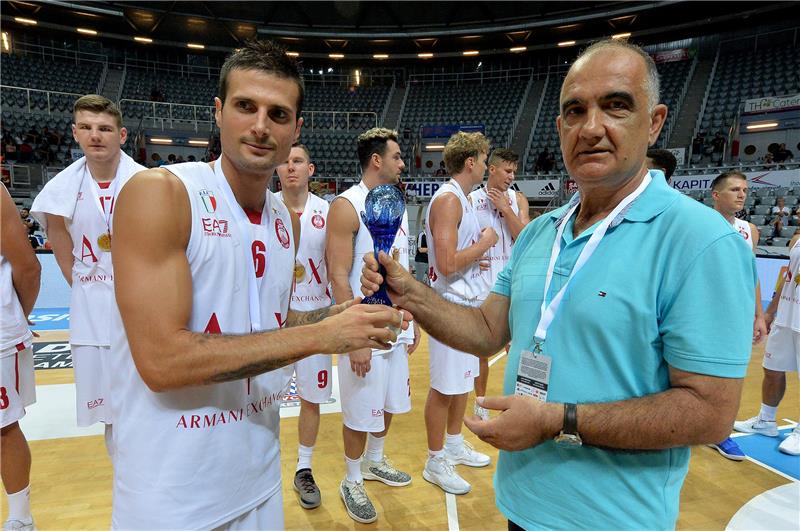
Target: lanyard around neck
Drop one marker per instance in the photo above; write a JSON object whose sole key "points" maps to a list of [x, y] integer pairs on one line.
{"points": [[548, 311], [242, 223], [93, 187]]}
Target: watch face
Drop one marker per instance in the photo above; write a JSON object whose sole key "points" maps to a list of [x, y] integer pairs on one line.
{"points": [[568, 440]]}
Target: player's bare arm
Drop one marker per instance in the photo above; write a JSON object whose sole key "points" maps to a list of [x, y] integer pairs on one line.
{"points": [[154, 293], [697, 409], [16, 248], [340, 240], [481, 331], [61, 242], [444, 219]]}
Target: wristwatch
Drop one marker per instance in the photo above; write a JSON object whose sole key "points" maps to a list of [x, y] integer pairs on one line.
{"points": [[569, 437]]}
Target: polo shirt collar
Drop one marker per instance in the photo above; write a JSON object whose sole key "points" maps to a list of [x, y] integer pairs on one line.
{"points": [[656, 198]]}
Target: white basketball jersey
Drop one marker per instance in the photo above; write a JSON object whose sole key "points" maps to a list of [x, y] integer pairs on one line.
{"points": [[92, 291], [471, 283], [788, 314], [357, 195], [311, 274], [488, 216], [743, 228], [13, 323], [195, 458]]}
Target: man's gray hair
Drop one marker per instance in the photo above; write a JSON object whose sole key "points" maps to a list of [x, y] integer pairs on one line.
{"points": [[652, 82]]}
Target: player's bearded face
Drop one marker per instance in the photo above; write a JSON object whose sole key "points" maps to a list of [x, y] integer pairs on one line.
{"points": [[258, 122]]}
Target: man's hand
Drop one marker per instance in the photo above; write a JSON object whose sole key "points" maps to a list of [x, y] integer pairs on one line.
{"points": [[417, 337], [768, 318], [523, 423], [360, 362], [499, 200], [399, 281], [362, 326], [488, 237], [760, 330]]}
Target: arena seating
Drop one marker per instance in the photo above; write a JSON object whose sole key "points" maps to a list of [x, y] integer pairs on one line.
{"points": [[492, 103], [746, 74]]}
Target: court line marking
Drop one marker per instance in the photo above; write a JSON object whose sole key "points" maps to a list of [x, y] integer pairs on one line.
{"points": [[452, 511], [763, 465], [497, 358]]}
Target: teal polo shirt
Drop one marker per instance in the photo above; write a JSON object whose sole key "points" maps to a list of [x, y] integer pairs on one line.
{"points": [[670, 285]]}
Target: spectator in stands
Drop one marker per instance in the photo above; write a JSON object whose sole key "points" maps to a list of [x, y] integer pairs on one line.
{"points": [[32, 136], [52, 137], [25, 152], [9, 148], [421, 258], [698, 145], [781, 213], [718, 147], [769, 158], [171, 158], [662, 159], [5, 178], [157, 160], [441, 172], [782, 154], [192, 158], [545, 161]]}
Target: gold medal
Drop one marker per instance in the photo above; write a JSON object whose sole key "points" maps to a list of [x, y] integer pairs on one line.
{"points": [[299, 271], [104, 242]]}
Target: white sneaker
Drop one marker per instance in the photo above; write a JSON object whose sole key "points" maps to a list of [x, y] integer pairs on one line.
{"points": [[440, 472], [18, 525], [756, 425], [481, 412], [791, 444], [467, 455]]}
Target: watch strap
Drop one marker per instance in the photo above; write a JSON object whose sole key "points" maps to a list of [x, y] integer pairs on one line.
{"points": [[570, 426]]}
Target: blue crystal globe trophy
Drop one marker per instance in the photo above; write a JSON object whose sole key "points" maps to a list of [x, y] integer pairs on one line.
{"points": [[383, 213]]}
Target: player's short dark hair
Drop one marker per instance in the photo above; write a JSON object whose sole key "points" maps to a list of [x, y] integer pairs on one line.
{"points": [[263, 56], [99, 105], [374, 142], [304, 148], [664, 159], [719, 181], [503, 155]]}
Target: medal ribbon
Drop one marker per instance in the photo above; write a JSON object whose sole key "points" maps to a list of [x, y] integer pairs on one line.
{"points": [[243, 227], [548, 311], [93, 187]]}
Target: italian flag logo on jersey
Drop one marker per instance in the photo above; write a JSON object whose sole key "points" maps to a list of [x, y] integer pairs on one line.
{"points": [[209, 201]]}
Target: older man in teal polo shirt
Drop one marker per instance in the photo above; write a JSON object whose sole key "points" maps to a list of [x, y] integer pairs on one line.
{"points": [[629, 332]]}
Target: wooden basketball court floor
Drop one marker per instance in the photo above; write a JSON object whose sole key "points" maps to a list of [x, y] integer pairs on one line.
{"points": [[71, 476]]}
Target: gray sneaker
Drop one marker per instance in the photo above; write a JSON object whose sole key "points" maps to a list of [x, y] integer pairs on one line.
{"points": [[18, 525], [304, 484], [384, 471], [357, 502]]}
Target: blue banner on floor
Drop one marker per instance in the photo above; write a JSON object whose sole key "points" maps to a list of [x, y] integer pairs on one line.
{"points": [[765, 449], [49, 319]]}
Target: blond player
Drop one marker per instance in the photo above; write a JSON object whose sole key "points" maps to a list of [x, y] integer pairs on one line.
{"points": [[204, 257], [456, 246], [75, 209], [504, 209], [374, 383], [19, 286], [310, 292]]}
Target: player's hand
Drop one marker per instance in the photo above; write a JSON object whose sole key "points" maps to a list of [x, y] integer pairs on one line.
{"points": [[759, 329], [488, 237], [33, 332], [524, 422], [484, 264], [399, 281], [362, 326], [768, 319], [498, 199], [417, 337], [360, 362]]}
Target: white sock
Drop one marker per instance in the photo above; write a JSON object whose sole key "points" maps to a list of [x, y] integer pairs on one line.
{"points": [[109, 437], [375, 447], [453, 443], [433, 454], [19, 505], [353, 470], [304, 457], [768, 412]]}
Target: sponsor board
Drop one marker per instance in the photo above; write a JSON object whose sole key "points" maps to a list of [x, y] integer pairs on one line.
{"points": [[771, 104], [49, 319], [539, 188], [756, 179], [52, 355]]}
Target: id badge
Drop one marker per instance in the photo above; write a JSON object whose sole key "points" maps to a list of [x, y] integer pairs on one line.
{"points": [[533, 375]]}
